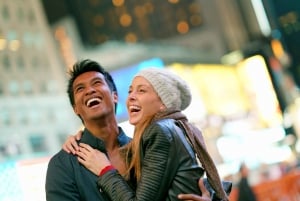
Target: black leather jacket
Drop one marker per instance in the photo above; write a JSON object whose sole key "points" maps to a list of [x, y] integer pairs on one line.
{"points": [[169, 167]]}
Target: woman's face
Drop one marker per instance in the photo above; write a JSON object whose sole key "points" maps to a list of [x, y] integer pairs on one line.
{"points": [[142, 101]]}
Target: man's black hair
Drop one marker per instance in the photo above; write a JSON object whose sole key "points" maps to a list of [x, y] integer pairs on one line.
{"points": [[87, 65]]}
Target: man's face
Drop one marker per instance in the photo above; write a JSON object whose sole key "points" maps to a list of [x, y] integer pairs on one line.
{"points": [[92, 96]]}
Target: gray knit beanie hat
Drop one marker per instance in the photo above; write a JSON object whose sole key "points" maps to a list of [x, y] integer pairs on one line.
{"points": [[172, 90]]}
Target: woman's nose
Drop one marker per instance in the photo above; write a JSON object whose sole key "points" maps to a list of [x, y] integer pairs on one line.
{"points": [[131, 96]]}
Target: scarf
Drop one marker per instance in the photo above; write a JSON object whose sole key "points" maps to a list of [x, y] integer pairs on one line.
{"points": [[196, 138]]}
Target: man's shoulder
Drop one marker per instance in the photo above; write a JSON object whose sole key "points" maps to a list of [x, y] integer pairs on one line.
{"points": [[61, 157], [123, 137]]}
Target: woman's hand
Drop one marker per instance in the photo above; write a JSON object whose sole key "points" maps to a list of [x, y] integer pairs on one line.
{"points": [[190, 197], [70, 145], [92, 159]]}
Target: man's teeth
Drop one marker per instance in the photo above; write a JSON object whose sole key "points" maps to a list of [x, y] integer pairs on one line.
{"points": [[93, 100]]}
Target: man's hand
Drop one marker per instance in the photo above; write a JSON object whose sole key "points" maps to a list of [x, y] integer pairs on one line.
{"points": [[193, 197]]}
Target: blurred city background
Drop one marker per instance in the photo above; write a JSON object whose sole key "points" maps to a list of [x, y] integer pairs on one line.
{"points": [[240, 57]]}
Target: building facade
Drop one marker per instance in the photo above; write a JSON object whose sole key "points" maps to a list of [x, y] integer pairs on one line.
{"points": [[35, 114]]}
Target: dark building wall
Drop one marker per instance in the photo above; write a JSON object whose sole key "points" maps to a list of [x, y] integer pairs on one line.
{"points": [[215, 27], [284, 16], [55, 10], [133, 21]]}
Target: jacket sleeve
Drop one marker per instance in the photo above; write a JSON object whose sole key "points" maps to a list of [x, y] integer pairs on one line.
{"points": [[60, 183], [158, 169]]}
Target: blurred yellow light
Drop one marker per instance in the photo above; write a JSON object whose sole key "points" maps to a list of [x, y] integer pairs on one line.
{"points": [[118, 2], [182, 27], [125, 20], [2, 43], [14, 45], [173, 1], [59, 33], [232, 58], [194, 8], [65, 45], [149, 7], [277, 48], [257, 82], [131, 37], [139, 11], [224, 96]]}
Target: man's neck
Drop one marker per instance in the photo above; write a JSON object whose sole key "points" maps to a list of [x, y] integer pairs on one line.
{"points": [[107, 131]]}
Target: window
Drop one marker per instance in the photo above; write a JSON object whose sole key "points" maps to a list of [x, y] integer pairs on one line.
{"points": [[35, 63], [35, 116], [49, 86], [6, 62], [31, 17], [1, 89], [13, 87], [27, 87], [22, 117], [37, 143], [5, 117], [20, 14], [20, 63], [5, 12]]}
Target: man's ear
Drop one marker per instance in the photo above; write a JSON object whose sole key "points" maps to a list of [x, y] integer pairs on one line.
{"points": [[75, 109], [115, 97]]}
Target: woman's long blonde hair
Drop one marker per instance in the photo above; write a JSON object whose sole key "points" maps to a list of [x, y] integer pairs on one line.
{"points": [[132, 151]]}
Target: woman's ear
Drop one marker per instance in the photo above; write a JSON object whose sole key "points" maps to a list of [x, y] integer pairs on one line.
{"points": [[162, 108]]}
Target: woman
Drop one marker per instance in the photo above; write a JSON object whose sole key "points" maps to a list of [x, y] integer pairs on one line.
{"points": [[160, 161]]}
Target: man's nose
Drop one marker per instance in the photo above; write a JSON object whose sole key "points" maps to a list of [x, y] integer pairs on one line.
{"points": [[90, 90]]}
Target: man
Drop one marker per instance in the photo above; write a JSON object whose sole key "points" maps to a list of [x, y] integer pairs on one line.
{"points": [[93, 96], [245, 191]]}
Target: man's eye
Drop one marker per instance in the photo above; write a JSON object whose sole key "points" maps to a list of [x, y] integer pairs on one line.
{"points": [[98, 82], [78, 89]]}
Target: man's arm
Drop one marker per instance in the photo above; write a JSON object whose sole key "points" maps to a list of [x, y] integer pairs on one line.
{"points": [[60, 183]]}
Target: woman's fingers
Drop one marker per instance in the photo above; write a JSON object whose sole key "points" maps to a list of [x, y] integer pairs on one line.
{"points": [[79, 135], [70, 146], [86, 147], [92, 159]]}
